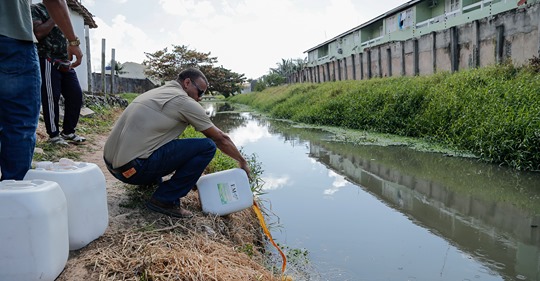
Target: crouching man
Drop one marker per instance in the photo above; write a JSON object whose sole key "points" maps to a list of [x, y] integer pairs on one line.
{"points": [[144, 146]]}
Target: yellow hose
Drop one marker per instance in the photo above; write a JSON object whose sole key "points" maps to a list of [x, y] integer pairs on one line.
{"points": [[267, 232]]}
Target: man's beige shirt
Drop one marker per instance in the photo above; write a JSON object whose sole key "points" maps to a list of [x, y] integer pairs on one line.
{"points": [[152, 120]]}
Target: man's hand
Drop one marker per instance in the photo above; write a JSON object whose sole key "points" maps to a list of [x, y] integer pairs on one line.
{"points": [[244, 166], [77, 52]]}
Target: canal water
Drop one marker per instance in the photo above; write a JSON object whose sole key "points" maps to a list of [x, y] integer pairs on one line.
{"points": [[367, 212]]}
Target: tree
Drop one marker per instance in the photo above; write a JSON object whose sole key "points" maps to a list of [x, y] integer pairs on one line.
{"points": [[223, 80], [279, 75], [165, 65]]}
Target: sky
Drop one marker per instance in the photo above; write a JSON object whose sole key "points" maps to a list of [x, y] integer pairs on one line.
{"points": [[247, 36]]}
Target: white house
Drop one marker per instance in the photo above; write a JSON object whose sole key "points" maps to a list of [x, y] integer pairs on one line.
{"points": [[82, 20]]}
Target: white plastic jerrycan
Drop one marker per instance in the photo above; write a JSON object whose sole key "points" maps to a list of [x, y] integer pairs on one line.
{"points": [[85, 189], [225, 192], [34, 241]]}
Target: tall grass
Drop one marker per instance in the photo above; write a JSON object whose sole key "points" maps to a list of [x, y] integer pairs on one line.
{"points": [[493, 112]]}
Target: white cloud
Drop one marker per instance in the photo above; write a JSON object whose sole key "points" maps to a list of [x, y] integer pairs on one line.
{"points": [[119, 35], [187, 8], [272, 182], [247, 36], [89, 3]]}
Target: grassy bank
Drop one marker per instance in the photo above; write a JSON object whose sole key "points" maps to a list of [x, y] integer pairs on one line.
{"points": [[492, 112]]}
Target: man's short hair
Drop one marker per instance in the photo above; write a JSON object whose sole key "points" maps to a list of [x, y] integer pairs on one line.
{"points": [[191, 73]]}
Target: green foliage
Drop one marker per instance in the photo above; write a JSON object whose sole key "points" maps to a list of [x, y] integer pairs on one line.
{"points": [[278, 76], [247, 249], [129, 96], [164, 65], [118, 67], [223, 80], [493, 112]]}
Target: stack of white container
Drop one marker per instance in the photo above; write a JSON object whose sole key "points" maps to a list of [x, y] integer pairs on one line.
{"points": [[58, 207]]}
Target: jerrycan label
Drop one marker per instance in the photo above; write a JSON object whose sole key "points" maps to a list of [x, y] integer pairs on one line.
{"points": [[228, 192]]}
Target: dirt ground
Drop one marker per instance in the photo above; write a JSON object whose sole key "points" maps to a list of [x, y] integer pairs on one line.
{"points": [[142, 245]]}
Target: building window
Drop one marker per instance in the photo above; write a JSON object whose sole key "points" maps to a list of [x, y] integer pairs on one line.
{"points": [[453, 8], [391, 24], [323, 51]]}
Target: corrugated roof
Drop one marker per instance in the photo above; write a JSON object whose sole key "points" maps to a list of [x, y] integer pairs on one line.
{"points": [[79, 8]]}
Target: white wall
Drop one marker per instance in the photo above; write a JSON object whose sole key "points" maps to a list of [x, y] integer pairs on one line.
{"points": [[82, 70]]}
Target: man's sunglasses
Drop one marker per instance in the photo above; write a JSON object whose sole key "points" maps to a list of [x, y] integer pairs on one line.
{"points": [[200, 92]]}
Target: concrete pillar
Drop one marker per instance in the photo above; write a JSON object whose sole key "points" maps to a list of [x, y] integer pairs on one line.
{"points": [[328, 72], [345, 69], [500, 44], [361, 59], [353, 61], [389, 61], [403, 58], [103, 81], [334, 71], [339, 69], [379, 61], [454, 50], [368, 64], [476, 45], [434, 51], [416, 57]]}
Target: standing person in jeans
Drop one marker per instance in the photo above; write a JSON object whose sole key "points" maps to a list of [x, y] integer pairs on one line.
{"points": [[144, 146], [20, 82], [58, 78]]}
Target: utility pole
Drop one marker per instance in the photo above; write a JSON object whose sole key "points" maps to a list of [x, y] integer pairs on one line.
{"points": [[103, 87], [113, 67], [88, 59]]}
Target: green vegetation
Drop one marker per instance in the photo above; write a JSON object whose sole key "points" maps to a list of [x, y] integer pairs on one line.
{"points": [[163, 65], [492, 112], [279, 75], [129, 96]]}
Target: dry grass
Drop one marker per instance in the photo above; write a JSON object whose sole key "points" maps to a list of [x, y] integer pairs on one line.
{"points": [[204, 247]]}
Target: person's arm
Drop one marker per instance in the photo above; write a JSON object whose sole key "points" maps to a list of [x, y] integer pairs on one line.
{"points": [[226, 145], [42, 29], [58, 10]]}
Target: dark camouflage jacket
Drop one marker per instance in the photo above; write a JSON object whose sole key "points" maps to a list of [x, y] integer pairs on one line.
{"points": [[54, 45]]}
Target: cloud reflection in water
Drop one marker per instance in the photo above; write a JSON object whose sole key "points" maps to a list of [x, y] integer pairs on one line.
{"points": [[339, 182], [272, 183], [249, 133]]}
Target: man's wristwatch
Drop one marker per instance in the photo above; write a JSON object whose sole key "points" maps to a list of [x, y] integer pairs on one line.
{"points": [[75, 42]]}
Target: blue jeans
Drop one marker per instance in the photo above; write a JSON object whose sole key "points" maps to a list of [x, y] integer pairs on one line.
{"points": [[20, 83], [186, 158]]}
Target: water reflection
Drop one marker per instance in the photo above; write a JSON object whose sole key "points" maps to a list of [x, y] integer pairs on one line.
{"points": [[249, 133], [390, 213]]}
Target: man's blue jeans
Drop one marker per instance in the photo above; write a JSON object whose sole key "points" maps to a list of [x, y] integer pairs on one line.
{"points": [[186, 158], [20, 83]]}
